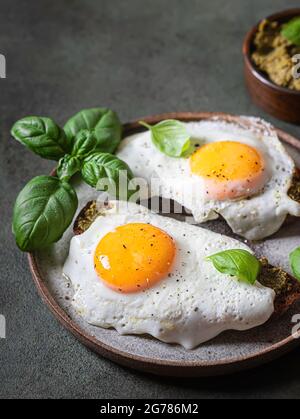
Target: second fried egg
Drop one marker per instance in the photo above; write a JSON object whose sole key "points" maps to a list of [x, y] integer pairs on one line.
{"points": [[239, 170]]}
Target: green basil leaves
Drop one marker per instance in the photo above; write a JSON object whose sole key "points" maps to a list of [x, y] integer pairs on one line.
{"points": [[291, 31], [105, 171], [170, 137], [46, 206], [42, 136], [295, 263], [43, 211], [103, 123], [237, 262]]}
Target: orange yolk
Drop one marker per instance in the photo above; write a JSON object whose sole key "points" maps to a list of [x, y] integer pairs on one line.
{"points": [[134, 257], [229, 169]]}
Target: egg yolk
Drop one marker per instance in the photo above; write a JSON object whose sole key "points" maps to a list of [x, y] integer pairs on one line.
{"points": [[229, 169], [134, 257]]}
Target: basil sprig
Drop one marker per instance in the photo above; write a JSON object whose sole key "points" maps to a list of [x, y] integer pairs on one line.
{"points": [[170, 137], [239, 263], [291, 31], [295, 263], [46, 206]]}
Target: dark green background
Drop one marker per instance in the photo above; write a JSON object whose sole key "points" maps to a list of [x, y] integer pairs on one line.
{"points": [[139, 57]]}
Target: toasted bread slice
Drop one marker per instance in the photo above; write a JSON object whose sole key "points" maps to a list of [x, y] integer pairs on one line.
{"points": [[294, 191], [286, 287], [85, 218]]}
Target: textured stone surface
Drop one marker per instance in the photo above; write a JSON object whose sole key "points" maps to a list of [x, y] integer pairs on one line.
{"points": [[62, 56]]}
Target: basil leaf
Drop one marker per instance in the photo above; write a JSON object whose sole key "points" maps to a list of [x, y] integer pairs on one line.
{"points": [[106, 167], [295, 262], [104, 123], [170, 137], [42, 136], [291, 31], [85, 143], [239, 263], [68, 166], [43, 211]]}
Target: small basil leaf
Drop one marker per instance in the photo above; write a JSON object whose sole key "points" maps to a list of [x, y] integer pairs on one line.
{"points": [[239, 263], [170, 137], [68, 166], [99, 167], [85, 143], [43, 211], [42, 136], [295, 262], [104, 123], [291, 31]]}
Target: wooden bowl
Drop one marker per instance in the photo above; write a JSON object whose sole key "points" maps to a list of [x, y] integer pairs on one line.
{"points": [[281, 102]]}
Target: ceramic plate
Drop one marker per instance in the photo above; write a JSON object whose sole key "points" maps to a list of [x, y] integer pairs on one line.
{"points": [[230, 352]]}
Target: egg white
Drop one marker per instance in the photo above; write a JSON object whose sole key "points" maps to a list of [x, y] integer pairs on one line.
{"points": [[254, 218], [192, 305]]}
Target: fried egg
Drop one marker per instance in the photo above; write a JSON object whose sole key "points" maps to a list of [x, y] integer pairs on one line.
{"points": [[239, 170], [141, 273]]}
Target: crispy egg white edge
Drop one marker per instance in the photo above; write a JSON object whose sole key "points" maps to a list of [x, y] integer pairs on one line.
{"points": [[255, 218], [167, 310]]}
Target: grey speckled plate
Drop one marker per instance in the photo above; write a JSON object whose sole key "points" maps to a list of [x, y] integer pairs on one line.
{"points": [[230, 352]]}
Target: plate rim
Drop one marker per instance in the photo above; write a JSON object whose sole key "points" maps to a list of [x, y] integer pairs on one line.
{"points": [[161, 366]]}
